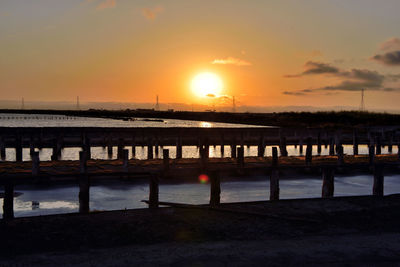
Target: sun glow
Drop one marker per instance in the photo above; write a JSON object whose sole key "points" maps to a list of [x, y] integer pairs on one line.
{"points": [[207, 84]]}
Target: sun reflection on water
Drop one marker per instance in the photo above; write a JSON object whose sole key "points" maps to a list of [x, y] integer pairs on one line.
{"points": [[205, 124]]}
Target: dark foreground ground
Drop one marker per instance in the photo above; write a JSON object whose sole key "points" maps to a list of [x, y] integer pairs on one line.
{"points": [[362, 231]]}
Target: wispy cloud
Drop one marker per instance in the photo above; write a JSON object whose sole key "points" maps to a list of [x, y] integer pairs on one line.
{"points": [[350, 80], [152, 13], [231, 61], [106, 4], [391, 44]]}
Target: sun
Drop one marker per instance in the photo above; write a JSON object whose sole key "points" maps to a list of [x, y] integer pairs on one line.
{"points": [[207, 84]]}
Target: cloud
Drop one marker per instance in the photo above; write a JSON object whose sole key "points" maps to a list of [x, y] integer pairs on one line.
{"points": [[298, 93], [351, 80], [106, 4], [393, 77], [389, 58], [312, 67], [152, 13], [391, 44], [231, 61]]}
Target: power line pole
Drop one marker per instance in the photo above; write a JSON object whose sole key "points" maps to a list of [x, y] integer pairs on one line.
{"points": [[233, 105], [22, 103], [157, 104], [362, 106], [77, 103]]}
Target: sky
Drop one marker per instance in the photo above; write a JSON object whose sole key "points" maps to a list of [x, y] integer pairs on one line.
{"points": [[267, 53]]}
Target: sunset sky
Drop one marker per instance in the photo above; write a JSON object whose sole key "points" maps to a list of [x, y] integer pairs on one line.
{"points": [[266, 53]]}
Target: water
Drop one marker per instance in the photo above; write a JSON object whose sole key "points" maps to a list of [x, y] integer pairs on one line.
{"points": [[128, 195], [32, 120]]}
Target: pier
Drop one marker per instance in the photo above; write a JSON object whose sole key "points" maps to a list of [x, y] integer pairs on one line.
{"points": [[85, 169], [156, 138]]}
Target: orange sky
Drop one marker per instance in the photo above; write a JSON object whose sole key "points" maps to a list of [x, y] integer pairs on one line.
{"points": [[130, 51]]}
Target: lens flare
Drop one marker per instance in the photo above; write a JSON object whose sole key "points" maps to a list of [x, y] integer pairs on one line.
{"points": [[203, 178]]}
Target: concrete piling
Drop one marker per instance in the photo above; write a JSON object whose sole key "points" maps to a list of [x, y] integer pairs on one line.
{"points": [[120, 149], [378, 187], [8, 203], [2, 149], [35, 164], [331, 146], [179, 148], [319, 144], [340, 153], [274, 177], [125, 159], [355, 143], [301, 146], [18, 148], [328, 184], [274, 157], [31, 145], [309, 151], [222, 146], [282, 146], [371, 153], [133, 151], [233, 151], [240, 157], [261, 147], [153, 191], [378, 146], [215, 188], [390, 142], [82, 162], [109, 146], [84, 187], [166, 159]]}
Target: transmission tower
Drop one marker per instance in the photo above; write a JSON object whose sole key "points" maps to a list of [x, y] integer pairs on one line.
{"points": [[362, 106], [22, 103], [233, 105], [78, 107], [157, 104]]}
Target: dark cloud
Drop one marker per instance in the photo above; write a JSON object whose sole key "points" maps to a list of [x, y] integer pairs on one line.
{"points": [[319, 68], [312, 67], [390, 89], [299, 92], [352, 80], [390, 58]]}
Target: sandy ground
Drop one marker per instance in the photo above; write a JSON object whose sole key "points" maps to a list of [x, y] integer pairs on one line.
{"points": [[340, 250], [350, 231]]}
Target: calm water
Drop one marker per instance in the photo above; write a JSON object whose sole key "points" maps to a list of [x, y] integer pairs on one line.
{"points": [[29, 120], [121, 195]]}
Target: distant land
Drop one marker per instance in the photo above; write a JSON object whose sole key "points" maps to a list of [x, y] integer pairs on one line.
{"points": [[70, 105], [324, 119]]}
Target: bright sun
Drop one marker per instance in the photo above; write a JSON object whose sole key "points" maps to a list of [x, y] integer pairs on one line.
{"points": [[207, 84]]}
